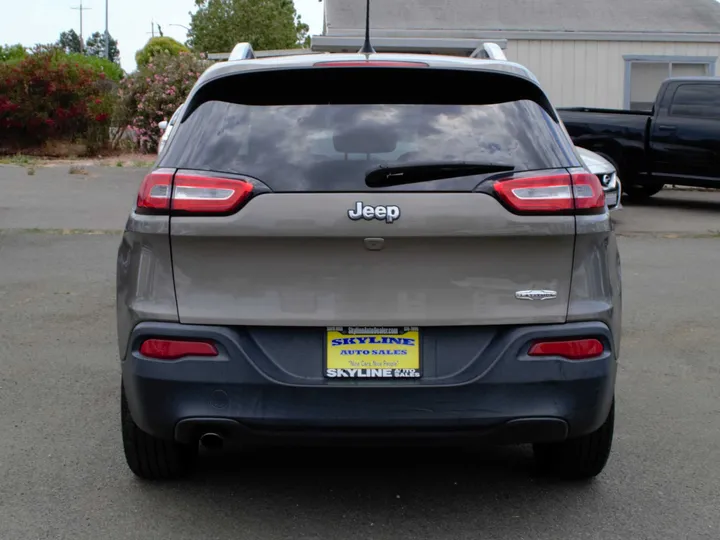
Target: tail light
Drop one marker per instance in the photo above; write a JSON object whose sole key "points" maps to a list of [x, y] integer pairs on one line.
{"points": [[172, 349], [191, 193], [577, 349], [206, 195], [556, 193], [154, 192]]}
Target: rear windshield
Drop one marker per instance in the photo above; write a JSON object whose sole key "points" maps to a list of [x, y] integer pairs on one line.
{"points": [[330, 146]]}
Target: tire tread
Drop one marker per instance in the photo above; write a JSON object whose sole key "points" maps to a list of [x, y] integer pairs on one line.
{"points": [[149, 457], [581, 458]]}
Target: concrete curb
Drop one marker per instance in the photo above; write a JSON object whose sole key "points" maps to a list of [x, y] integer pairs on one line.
{"points": [[688, 188]]}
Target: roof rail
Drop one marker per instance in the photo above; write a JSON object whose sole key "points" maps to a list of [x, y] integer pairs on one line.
{"points": [[242, 51], [490, 51]]}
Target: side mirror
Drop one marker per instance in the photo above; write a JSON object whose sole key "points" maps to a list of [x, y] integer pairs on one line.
{"points": [[163, 125]]}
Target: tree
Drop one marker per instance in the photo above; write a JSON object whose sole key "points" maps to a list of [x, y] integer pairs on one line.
{"points": [[70, 42], [218, 25], [158, 45], [12, 53], [95, 46]]}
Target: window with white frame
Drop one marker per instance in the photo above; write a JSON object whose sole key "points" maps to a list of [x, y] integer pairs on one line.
{"points": [[645, 74]]}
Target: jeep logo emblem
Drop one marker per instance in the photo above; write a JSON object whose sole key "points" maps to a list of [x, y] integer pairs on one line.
{"points": [[368, 213]]}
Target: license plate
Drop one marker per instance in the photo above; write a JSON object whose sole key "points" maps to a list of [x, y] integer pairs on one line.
{"points": [[611, 198], [372, 353]]}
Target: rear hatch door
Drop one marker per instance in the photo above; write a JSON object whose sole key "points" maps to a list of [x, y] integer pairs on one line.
{"points": [[315, 246]]}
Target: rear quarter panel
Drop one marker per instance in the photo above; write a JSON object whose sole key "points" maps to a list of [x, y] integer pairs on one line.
{"points": [[145, 290], [596, 290]]}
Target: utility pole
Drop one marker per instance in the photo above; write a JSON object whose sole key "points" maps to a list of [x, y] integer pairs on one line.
{"points": [[107, 33], [80, 9]]}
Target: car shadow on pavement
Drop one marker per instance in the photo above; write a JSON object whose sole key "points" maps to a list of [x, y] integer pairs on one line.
{"points": [[679, 202], [359, 491]]}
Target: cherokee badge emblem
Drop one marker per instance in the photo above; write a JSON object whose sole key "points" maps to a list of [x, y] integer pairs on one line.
{"points": [[536, 295]]}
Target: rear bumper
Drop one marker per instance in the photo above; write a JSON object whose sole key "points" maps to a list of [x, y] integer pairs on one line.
{"points": [[515, 400]]}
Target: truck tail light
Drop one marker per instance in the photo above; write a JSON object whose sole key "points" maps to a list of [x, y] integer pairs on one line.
{"points": [[576, 349], [578, 192], [187, 194], [174, 349]]}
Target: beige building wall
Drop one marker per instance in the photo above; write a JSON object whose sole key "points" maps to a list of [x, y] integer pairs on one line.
{"points": [[592, 73]]}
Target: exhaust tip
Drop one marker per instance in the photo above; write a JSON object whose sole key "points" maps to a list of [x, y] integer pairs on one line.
{"points": [[212, 441]]}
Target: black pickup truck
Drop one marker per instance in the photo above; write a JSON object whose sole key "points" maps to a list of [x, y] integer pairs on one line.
{"points": [[677, 143]]}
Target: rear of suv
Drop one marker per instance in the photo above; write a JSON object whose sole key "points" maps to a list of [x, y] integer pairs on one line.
{"points": [[375, 247]]}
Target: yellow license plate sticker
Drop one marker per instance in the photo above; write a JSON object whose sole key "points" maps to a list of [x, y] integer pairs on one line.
{"points": [[372, 353]]}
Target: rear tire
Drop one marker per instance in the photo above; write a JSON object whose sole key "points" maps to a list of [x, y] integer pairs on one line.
{"points": [[149, 457], [638, 193], [581, 458]]}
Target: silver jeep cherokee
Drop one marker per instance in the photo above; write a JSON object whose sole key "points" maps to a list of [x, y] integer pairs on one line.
{"points": [[368, 246]]}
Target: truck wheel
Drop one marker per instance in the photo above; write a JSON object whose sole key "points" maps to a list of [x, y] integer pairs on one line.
{"points": [[640, 193], [581, 458], [151, 458]]}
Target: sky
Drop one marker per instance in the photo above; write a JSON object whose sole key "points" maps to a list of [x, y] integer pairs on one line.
{"points": [[41, 21]]}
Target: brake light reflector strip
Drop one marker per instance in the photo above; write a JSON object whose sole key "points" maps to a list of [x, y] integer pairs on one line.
{"points": [[576, 349], [172, 349]]}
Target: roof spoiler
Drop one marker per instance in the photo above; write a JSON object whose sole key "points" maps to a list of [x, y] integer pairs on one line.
{"points": [[491, 51], [242, 51]]}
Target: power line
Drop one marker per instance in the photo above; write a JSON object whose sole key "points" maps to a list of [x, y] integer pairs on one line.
{"points": [[80, 9]]}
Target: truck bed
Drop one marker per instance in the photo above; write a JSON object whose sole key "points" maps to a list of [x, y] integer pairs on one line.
{"points": [[616, 134]]}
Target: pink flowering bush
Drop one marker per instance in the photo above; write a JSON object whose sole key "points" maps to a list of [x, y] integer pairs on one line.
{"points": [[153, 93]]}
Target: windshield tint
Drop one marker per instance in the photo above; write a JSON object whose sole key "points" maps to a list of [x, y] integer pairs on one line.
{"points": [[318, 147]]}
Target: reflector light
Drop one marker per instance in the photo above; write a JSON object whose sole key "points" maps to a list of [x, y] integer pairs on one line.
{"points": [[552, 193], [577, 349], [171, 349]]}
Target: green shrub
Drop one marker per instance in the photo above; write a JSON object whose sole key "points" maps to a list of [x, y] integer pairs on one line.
{"points": [[156, 46], [154, 92], [49, 96], [100, 65], [12, 53]]}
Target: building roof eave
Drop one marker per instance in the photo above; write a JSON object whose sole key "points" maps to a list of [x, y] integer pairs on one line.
{"points": [[401, 44], [329, 39]]}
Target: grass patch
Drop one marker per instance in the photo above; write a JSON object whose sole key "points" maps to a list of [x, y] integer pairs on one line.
{"points": [[119, 164], [712, 235], [18, 159], [62, 232], [78, 169], [142, 164]]}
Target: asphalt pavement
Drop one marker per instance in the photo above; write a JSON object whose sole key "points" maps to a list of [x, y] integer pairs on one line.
{"points": [[63, 476]]}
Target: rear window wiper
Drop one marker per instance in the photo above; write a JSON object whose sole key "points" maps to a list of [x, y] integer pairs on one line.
{"points": [[413, 173]]}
